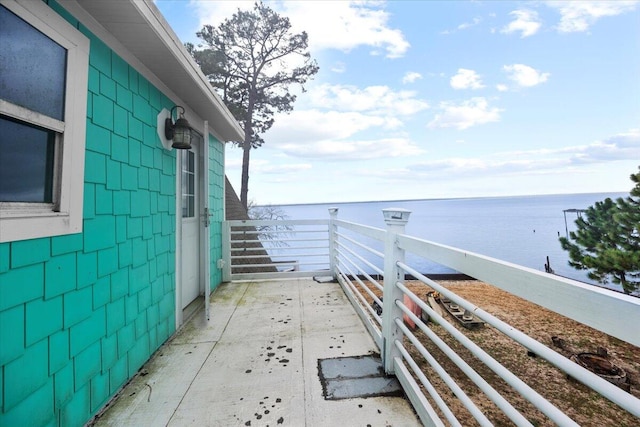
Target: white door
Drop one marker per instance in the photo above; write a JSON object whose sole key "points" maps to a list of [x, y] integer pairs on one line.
{"points": [[190, 225]]}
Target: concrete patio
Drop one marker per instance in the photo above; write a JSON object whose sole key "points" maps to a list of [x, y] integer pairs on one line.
{"points": [[255, 363]]}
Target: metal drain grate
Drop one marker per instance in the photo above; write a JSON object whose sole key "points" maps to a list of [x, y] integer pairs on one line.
{"points": [[356, 376]]}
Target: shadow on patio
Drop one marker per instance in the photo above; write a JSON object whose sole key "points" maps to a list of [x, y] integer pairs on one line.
{"points": [[255, 363]]}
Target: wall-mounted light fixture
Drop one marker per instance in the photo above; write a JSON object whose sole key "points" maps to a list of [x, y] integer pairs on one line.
{"points": [[179, 132]]}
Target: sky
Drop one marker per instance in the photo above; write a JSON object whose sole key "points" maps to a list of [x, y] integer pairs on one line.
{"points": [[448, 99]]}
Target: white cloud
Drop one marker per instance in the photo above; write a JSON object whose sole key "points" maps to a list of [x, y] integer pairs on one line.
{"points": [[526, 22], [502, 88], [349, 150], [344, 25], [374, 99], [525, 76], [272, 169], [476, 168], [234, 162], [475, 111], [619, 147], [410, 77], [463, 26], [466, 79], [308, 126], [473, 23], [334, 135], [339, 67], [622, 146], [340, 122], [577, 16]]}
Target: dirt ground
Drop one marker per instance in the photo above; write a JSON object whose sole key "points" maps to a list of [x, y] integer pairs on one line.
{"points": [[584, 406]]}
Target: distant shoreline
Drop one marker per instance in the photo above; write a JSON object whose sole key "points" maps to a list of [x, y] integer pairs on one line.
{"points": [[619, 193], [522, 230]]}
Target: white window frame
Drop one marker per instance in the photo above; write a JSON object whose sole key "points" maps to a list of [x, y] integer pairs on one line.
{"points": [[21, 221]]}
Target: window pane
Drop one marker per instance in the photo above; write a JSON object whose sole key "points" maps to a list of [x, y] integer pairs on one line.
{"points": [[191, 158], [185, 204], [192, 212], [32, 67], [188, 184], [188, 205], [26, 162], [190, 187]]}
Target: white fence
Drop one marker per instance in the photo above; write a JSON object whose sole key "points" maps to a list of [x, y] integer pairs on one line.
{"points": [[275, 249], [360, 257]]}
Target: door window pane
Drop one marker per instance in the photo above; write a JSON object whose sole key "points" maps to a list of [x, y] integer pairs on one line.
{"points": [[26, 162], [188, 184], [32, 67]]}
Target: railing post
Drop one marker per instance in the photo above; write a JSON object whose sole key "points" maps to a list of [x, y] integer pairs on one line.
{"points": [[333, 237], [226, 252], [396, 220]]}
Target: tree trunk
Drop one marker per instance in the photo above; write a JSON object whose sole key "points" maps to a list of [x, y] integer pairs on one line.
{"points": [[244, 190], [246, 151]]}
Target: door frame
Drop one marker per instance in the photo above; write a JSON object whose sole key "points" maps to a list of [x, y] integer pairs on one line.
{"points": [[206, 212], [202, 183]]}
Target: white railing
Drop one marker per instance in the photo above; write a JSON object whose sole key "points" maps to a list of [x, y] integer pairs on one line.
{"points": [[361, 257], [268, 249]]}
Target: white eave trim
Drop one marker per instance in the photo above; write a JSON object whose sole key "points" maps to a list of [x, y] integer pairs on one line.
{"points": [[229, 129], [164, 31]]}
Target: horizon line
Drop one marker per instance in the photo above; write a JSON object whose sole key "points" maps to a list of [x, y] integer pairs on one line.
{"points": [[439, 198]]}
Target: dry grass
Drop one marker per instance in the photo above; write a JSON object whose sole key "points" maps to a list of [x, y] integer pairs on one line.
{"points": [[579, 402]]}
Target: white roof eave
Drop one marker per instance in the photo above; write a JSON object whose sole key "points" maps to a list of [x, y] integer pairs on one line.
{"points": [[139, 28]]}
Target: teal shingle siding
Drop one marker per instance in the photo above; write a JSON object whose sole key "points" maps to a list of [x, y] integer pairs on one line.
{"points": [[80, 314]]}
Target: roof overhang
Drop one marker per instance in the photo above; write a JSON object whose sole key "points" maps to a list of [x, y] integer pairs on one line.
{"points": [[139, 28]]}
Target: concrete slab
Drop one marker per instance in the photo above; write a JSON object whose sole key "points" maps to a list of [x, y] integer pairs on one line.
{"points": [[255, 363], [151, 398], [323, 295], [199, 330], [223, 303], [374, 411], [356, 376], [362, 387], [336, 344], [335, 319], [248, 326], [253, 410], [351, 367], [229, 294], [252, 359]]}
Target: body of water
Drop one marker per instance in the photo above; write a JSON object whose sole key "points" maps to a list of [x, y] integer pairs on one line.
{"points": [[523, 230]]}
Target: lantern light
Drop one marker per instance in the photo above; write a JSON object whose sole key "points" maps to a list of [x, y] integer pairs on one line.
{"points": [[179, 132]]}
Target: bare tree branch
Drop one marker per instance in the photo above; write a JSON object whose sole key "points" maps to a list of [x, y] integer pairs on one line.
{"points": [[236, 58]]}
